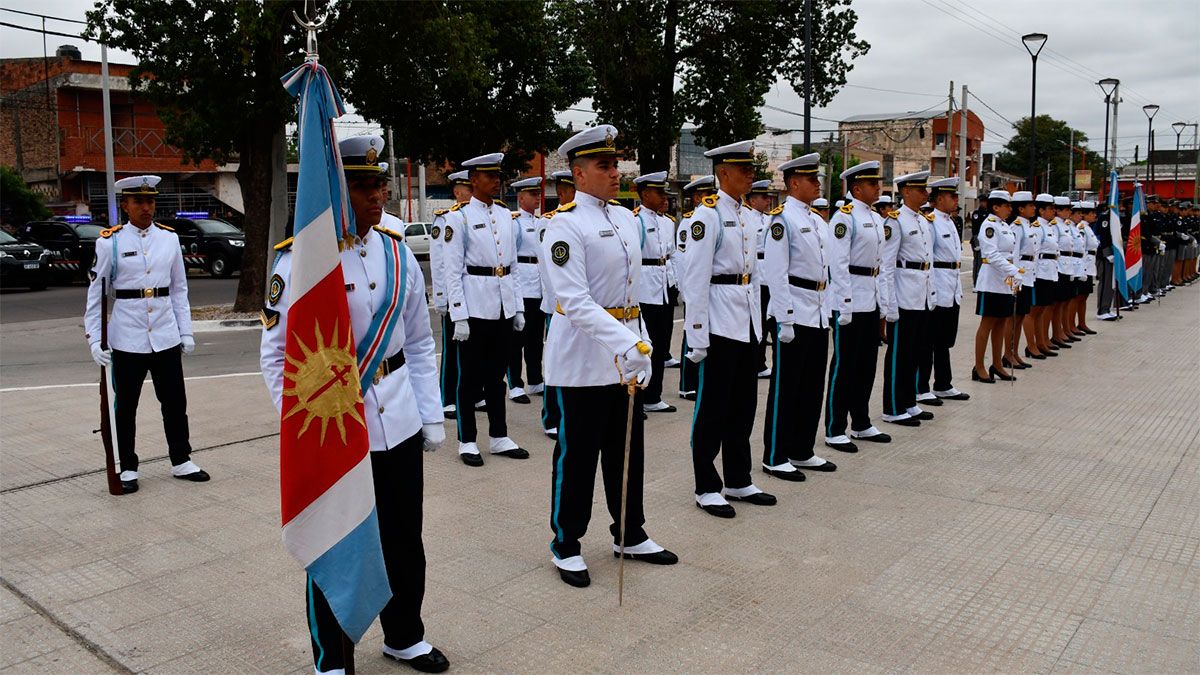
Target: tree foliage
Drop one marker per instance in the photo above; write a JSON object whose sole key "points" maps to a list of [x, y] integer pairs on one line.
{"points": [[1053, 148], [212, 68], [457, 79], [660, 63], [19, 204]]}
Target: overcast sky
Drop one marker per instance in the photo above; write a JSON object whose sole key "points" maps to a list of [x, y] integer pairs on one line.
{"points": [[919, 46]]}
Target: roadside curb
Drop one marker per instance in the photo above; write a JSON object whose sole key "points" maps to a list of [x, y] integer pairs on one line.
{"points": [[220, 325]]}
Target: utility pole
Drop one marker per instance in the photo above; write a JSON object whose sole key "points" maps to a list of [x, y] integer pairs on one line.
{"points": [[1116, 98], [808, 10], [949, 125], [962, 153], [392, 186], [421, 215], [1071, 163]]}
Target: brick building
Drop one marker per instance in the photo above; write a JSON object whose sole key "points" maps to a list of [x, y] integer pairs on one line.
{"points": [[907, 142]]}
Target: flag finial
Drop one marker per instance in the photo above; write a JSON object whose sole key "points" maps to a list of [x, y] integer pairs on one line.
{"points": [[311, 25]]}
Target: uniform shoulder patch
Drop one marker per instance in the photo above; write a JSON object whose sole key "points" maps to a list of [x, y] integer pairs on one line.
{"points": [[710, 201], [560, 253], [893, 214], [839, 230], [449, 233], [441, 212], [285, 244], [565, 207], [164, 227], [457, 206], [275, 290], [436, 233], [777, 231], [682, 236], [269, 317], [391, 233], [887, 232], [698, 230], [846, 209], [776, 211], [989, 232], [106, 233]]}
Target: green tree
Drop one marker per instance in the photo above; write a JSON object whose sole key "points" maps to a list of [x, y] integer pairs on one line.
{"points": [[658, 63], [1054, 149], [19, 204], [212, 68], [762, 166], [456, 79]]}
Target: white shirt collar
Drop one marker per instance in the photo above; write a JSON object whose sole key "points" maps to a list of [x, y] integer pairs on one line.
{"points": [[792, 200], [475, 200], [523, 212], [584, 199], [729, 201]]}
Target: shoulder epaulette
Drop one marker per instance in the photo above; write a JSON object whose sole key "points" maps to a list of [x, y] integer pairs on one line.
{"points": [[846, 209], [457, 206], [565, 207], [688, 214], [550, 213], [927, 216], [497, 201], [106, 233], [776, 211], [516, 214], [672, 218], [893, 214], [710, 201], [284, 245], [614, 202], [637, 209], [164, 227], [441, 212], [391, 233]]}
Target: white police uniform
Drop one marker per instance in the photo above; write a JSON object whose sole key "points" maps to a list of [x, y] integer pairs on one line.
{"points": [[441, 305], [150, 327], [527, 347], [657, 239], [997, 245], [596, 341], [1046, 282], [689, 372], [947, 283]]}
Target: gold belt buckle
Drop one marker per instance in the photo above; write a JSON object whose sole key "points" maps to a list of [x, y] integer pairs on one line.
{"points": [[874, 271], [148, 292], [820, 285], [745, 279], [499, 270]]}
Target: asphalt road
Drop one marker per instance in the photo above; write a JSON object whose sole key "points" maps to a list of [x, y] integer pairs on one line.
{"points": [[19, 305]]}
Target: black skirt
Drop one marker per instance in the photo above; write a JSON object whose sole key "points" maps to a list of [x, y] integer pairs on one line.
{"points": [[1025, 300], [1086, 286], [1045, 292], [1066, 288], [993, 304]]}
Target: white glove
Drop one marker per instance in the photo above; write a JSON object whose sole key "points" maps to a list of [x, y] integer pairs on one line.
{"points": [[519, 322], [102, 357], [696, 355], [432, 436], [462, 330], [892, 316], [635, 364], [188, 343], [1109, 258], [441, 311], [787, 333], [844, 318]]}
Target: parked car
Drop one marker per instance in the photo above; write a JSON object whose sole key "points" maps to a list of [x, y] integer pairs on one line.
{"points": [[417, 236], [211, 244], [23, 263], [72, 246]]}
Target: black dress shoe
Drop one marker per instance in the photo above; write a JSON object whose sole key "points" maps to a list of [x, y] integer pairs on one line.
{"points": [[827, 466], [523, 398], [794, 476], [1072, 338], [924, 415], [1040, 357], [758, 499], [129, 487], [580, 579], [1088, 331], [689, 396], [877, 438], [471, 458], [433, 662], [669, 409], [1061, 344], [200, 476], [999, 375], [718, 510], [986, 380], [450, 415], [905, 422], [1050, 352], [515, 453], [960, 396], [663, 557], [929, 401], [842, 447]]}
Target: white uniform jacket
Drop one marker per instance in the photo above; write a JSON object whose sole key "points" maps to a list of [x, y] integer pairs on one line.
{"points": [[906, 263], [436, 261], [794, 267], [592, 266], [480, 236], [856, 242], [526, 274], [1079, 246], [399, 403], [720, 243], [997, 246], [1047, 264], [656, 234], [679, 260], [1029, 236], [947, 251], [759, 221], [1091, 243], [1066, 247], [145, 261]]}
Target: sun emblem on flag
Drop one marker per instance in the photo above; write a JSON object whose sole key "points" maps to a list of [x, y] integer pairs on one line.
{"points": [[325, 384]]}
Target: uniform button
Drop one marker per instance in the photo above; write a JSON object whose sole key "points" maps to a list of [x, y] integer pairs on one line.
{"points": [[371, 285], [149, 310], [363, 253], [380, 410]]}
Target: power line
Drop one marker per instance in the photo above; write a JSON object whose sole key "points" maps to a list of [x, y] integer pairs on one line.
{"points": [[44, 32], [895, 91], [43, 16], [985, 104]]}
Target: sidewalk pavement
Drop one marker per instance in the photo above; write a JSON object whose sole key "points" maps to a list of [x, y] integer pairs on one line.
{"points": [[1049, 525]]}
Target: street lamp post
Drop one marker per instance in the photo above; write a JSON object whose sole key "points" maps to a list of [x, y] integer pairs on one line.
{"points": [[1178, 127], [1108, 85], [1151, 110], [1033, 44]]}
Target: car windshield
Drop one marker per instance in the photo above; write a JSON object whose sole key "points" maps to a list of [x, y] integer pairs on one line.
{"points": [[88, 230], [211, 226], [6, 238]]}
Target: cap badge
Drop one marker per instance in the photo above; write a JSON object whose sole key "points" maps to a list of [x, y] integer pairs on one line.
{"points": [[372, 155], [608, 139]]}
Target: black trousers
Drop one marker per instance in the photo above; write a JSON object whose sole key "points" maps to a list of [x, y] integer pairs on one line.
{"points": [[481, 363], [900, 363], [768, 328], [689, 373], [658, 320], [166, 370], [528, 343], [398, 497], [724, 417], [794, 399], [852, 373], [450, 364], [934, 357], [593, 427]]}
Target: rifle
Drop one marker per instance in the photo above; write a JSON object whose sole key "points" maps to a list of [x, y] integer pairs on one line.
{"points": [[106, 411]]}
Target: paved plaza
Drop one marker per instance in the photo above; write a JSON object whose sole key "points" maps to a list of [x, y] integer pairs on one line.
{"points": [[1048, 525]]}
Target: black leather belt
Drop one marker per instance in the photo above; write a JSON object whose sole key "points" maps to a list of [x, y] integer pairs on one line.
{"points": [[131, 293], [654, 262], [806, 283], [1048, 256], [864, 271], [480, 271], [531, 259], [1092, 252], [1026, 257], [762, 255], [912, 265], [388, 366], [942, 265], [731, 279], [1076, 255]]}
